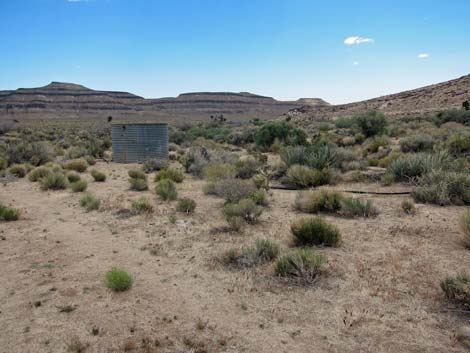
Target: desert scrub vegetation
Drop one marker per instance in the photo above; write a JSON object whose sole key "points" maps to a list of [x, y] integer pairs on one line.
{"points": [[73, 177], [77, 165], [219, 171], [142, 205], [89, 202], [371, 123], [8, 214], [79, 186], [54, 181], [303, 265], [315, 231], [408, 206], [118, 280], [186, 205], [138, 184], [247, 168], [98, 176], [198, 158], [457, 289], [417, 143], [137, 174], [38, 173], [354, 207], [171, 174], [283, 132], [152, 165], [464, 224], [453, 115], [245, 210], [319, 201], [443, 188], [302, 177], [261, 251], [166, 189], [18, 170], [231, 190]]}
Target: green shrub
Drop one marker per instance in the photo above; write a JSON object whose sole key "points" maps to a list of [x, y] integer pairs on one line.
{"points": [[18, 170], [260, 197], [345, 123], [153, 164], [282, 131], [197, 159], [8, 214], [186, 205], [293, 155], [302, 177], [457, 289], [353, 207], [79, 186], [142, 205], [408, 206], [78, 165], [464, 223], [171, 174], [38, 173], [453, 115], [138, 184], [261, 251], [315, 231], [245, 209], [73, 177], [3, 163], [459, 144], [231, 190], [411, 166], [371, 123], [166, 189], [319, 201], [247, 168], [219, 171], [54, 181], [89, 202], [98, 176], [118, 280], [376, 142], [443, 188], [90, 160], [417, 143], [301, 264], [137, 174]]}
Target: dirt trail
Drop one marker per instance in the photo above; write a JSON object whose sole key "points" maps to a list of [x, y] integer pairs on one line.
{"points": [[382, 294]]}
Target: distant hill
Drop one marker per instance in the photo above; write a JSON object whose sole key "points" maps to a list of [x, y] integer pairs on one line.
{"points": [[68, 100], [418, 102]]}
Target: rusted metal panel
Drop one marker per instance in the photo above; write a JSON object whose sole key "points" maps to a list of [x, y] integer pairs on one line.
{"points": [[134, 143]]}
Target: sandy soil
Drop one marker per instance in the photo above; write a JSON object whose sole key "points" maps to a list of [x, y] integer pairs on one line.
{"points": [[381, 294]]}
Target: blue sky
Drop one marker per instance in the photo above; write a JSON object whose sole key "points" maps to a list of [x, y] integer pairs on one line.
{"points": [[341, 51]]}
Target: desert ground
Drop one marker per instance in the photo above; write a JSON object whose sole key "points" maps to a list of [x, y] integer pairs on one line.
{"points": [[380, 292]]}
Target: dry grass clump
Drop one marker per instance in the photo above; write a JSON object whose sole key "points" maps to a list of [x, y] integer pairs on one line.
{"points": [[73, 177], [18, 170], [79, 186], [138, 184], [142, 205], [153, 164], [302, 177], [166, 189], [8, 214], [245, 210], [247, 168], [408, 206], [171, 174], [457, 289], [464, 223], [137, 174], [443, 188], [89, 202], [118, 280], [353, 207], [260, 252], [38, 173], [54, 181], [98, 176], [315, 231], [186, 205], [319, 201], [219, 171], [231, 190], [417, 143], [303, 265], [78, 165]]}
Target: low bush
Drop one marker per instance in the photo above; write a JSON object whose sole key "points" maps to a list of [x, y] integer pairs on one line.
{"points": [[142, 205], [371, 123], [281, 131], [78, 165], [245, 209], [38, 173], [353, 207], [459, 144], [443, 188], [457, 289], [73, 177], [18, 170], [260, 197], [453, 115], [98, 176], [90, 160], [303, 265], [171, 174], [231, 190], [247, 168], [417, 143], [166, 189], [376, 142], [54, 181], [186, 205], [118, 280], [260, 252], [89, 202], [153, 164], [137, 174], [219, 171], [408, 206], [319, 201], [464, 223], [302, 177], [8, 214], [315, 231], [79, 186], [138, 184], [411, 166]]}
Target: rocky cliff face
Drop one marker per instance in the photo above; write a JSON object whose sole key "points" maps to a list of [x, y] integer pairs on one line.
{"points": [[66, 100], [426, 100]]}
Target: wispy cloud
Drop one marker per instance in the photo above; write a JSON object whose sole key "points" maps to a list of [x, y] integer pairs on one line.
{"points": [[357, 40], [423, 55], [356, 63]]}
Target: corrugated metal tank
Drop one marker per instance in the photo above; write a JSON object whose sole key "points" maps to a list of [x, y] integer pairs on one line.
{"points": [[134, 143]]}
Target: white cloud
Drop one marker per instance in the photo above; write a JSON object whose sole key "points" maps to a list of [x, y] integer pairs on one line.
{"points": [[423, 55], [356, 63], [357, 40]]}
